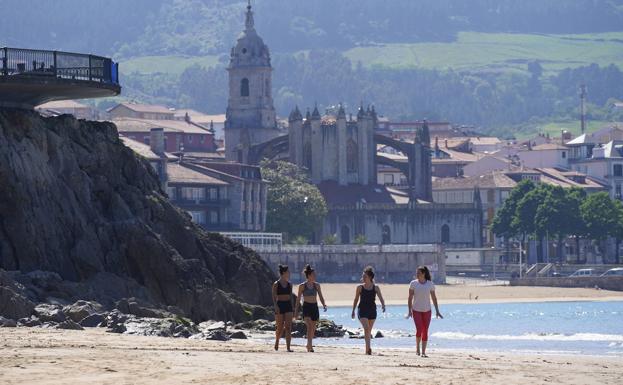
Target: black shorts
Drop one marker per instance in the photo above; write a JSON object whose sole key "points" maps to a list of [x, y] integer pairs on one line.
{"points": [[311, 310], [284, 307], [368, 312]]}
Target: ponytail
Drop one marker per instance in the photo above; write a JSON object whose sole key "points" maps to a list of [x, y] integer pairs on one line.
{"points": [[424, 270], [369, 271], [283, 269], [308, 270]]}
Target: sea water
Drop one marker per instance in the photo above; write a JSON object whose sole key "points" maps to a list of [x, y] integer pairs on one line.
{"points": [[594, 328]]}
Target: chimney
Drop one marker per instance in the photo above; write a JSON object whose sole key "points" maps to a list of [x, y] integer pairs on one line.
{"points": [[156, 140]]}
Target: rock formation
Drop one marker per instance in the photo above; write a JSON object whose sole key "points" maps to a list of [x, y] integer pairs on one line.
{"points": [[83, 218]]}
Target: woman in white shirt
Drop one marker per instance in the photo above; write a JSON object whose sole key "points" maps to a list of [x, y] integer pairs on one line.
{"points": [[421, 290]]}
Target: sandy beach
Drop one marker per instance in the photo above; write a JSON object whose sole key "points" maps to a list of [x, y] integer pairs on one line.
{"points": [[37, 356], [338, 294]]}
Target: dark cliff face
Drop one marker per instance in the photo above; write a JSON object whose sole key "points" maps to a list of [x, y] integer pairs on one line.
{"points": [[75, 201]]}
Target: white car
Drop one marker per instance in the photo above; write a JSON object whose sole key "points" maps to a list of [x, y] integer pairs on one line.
{"points": [[613, 272], [583, 273]]}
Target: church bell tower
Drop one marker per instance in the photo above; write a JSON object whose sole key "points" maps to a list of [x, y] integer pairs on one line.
{"points": [[251, 117]]}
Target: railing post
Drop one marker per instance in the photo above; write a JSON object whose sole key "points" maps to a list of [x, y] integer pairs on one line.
{"points": [[5, 59], [90, 66], [55, 65]]}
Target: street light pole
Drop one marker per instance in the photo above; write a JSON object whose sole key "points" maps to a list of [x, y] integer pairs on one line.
{"points": [[520, 260]]}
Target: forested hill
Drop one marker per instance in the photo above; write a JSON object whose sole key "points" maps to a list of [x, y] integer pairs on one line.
{"points": [[192, 27]]}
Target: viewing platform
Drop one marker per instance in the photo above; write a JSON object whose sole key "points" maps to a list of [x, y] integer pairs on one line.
{"points": [[32, 77]]}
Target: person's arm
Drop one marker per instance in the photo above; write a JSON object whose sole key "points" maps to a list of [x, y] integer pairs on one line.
{"points": [[409, 303], [298, 301], [275, 296], [378, 292], [433, 296], [324, 305], [357, 293]]}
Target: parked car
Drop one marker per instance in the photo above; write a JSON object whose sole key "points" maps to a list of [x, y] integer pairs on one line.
{"points": [[613, 272], [557, 274], [583, 273]]}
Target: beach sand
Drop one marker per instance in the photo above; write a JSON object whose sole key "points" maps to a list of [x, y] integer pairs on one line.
{"points": [[338, 294], [45, 357]]}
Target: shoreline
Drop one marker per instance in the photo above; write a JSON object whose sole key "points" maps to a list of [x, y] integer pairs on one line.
{"points": [[341, 294], [51, 357]]}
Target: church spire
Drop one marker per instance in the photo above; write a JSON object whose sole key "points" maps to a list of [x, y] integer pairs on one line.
{"points": [[249, 22]]}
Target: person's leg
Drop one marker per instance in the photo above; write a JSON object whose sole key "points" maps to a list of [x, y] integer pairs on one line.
{"points": [[417, 318], [366, 333], [313, 334], [370, 326], [310, 336], [288, 329], [278, 329], [425, 324]]}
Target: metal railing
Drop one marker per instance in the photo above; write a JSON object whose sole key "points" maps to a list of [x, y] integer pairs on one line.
{"points": [[419, 248], [62, 65]]}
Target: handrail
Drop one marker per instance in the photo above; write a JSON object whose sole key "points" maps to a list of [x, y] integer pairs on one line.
{"points": [[58, 64]]}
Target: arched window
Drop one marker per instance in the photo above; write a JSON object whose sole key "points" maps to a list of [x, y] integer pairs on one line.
{"points": [[244, 87], [351, 156], [345, 235], [307, 155], [445, 234], [387, 235], [267, 88]]}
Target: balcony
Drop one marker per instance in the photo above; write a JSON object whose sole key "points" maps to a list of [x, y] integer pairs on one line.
{"points": [[32, 77], [200, 202]]}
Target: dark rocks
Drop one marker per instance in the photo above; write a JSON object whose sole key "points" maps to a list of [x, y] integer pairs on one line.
{"points": [[140, 309], [213, 335], [162, 327], [81, 309], [29, 321], [93, 321], [327, 328], [84, 218], [13, 305], [7, 323], [238, 335], [378, 334], [49, 313], [69, 325]]}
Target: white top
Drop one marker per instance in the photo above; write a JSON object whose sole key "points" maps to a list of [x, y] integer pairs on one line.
{"points": [[421, 295]]}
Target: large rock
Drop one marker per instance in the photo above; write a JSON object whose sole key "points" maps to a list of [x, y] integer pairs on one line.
{"points": [[81, 309], [50, 313], [7, 323], [14, 305], [79, 204]]}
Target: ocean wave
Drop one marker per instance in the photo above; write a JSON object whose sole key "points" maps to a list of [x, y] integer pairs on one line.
{"points": [[531, 337]]}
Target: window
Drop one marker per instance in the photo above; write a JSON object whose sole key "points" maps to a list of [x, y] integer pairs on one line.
{"points": [[345, 234], [387, 235], [244, 87], [213, 191], [213, 216], [445, 234], [267, 89], [388, 179], [491, 196], [564, 154], [617, 191], [171, 192], [618, 170], [189, 138], [351, 156], [202, 139], [192, 193], [198, 217]]}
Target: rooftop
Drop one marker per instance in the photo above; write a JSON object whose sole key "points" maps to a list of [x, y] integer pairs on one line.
{"points": [[144, 150], [495, 179], [179, 173], [145, 108], [145, 125]]}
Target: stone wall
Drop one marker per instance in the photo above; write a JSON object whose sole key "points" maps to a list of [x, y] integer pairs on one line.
{"points": [[346, 266], [606, 283]]}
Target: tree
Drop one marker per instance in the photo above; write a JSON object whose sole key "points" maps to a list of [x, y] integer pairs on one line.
{"points": [[601, 217], [295, 206], [502, 224]]}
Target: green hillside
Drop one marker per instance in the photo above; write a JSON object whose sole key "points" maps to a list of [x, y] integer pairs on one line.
{"points": [[475, 51]]}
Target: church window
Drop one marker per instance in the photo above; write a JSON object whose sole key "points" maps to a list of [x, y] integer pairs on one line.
{"points": [[351, 156], [387, 235], [445, 234], [244, 50], [244, 87], [267, 88]]}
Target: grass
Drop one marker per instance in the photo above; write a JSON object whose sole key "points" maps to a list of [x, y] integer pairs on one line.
{"points": [[553, 128], [497, 52], [171, 65]]}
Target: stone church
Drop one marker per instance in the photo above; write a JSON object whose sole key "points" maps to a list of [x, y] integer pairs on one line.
{"points": [[341, 156]]}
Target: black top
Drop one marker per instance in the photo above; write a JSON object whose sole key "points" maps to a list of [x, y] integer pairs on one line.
{"points": [[284, 290], [368, 297]]}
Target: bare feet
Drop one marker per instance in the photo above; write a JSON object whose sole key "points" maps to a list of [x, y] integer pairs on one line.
{"points": [[369, 352], [276, 346], [424, 355]]}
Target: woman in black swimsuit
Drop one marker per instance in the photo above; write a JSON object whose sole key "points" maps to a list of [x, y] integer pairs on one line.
{"points": [[282, 299], [309, 291], [366, 296]]}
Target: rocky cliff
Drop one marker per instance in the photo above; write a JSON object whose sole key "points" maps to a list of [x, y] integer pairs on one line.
{"points": [[83, 218]]}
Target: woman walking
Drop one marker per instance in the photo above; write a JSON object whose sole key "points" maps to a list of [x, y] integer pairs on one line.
{"points": [[421, 290], [366, 297], [282, 299], [309, 291]]}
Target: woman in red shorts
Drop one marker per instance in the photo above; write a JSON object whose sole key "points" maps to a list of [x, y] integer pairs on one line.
{"points": [[421, 290]]}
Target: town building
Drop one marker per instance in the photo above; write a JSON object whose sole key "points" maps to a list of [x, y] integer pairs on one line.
{"points": [[140, 111], [545, 155], [70, 107]]}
